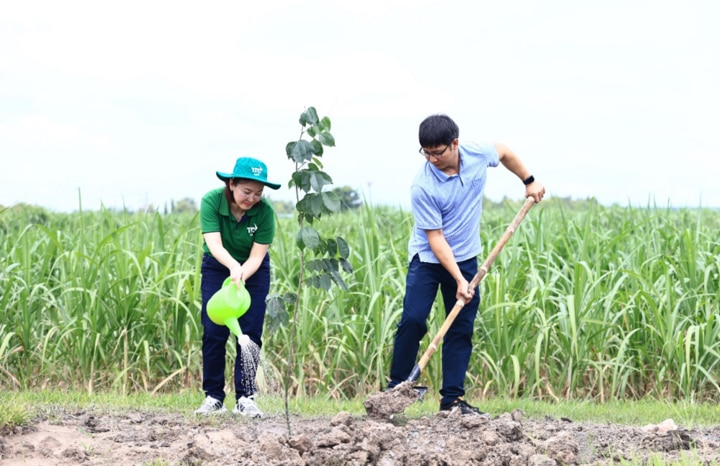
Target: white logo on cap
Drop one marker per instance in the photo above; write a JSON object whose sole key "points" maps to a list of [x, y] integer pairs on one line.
{"points": [[256, 170]]}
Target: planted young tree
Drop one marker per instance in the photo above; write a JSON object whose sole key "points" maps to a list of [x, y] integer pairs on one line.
{"points": [[322, 259]]}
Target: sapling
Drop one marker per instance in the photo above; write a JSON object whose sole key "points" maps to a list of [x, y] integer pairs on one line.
{"points": [[322, 259]]}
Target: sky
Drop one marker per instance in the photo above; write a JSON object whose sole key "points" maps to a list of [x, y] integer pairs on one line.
{"points": [[138, 103]]}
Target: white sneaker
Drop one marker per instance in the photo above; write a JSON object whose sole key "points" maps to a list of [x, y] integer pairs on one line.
{"points": [[247, 407], [211, 406]]}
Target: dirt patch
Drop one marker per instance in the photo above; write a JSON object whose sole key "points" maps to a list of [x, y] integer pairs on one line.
{"points": [[386, 404], [142, 438]]}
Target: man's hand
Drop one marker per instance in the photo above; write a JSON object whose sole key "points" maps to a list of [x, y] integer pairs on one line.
{"points": [[464, 291], [535, 189]]}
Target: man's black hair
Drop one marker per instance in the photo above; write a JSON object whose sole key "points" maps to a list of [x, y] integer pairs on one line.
{"points": [[438, 130]]}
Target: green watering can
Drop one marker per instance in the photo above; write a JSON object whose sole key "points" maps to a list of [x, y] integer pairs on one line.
{"points": [[228, 304]]}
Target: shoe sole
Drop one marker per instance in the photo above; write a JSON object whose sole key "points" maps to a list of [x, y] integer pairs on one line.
{"points": [[465, 413]]}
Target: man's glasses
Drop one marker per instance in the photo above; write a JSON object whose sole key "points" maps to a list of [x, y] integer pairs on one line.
{"points": [[436, 153]]}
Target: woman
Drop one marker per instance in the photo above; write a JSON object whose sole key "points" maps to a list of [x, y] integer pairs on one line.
{"points": [[238, 226]]}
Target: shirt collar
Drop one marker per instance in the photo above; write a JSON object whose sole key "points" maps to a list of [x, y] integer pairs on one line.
{"points": [[442, 176]]}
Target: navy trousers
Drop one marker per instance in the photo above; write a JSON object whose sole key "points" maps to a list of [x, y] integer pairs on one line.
{"points": [[215, 336], [421, 286]]}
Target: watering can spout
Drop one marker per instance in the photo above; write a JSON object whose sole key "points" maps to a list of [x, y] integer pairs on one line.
{"points": [[234, 326], [227, 305]]}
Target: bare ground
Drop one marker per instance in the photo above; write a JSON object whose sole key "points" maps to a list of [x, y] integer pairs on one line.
{"points": [[156, 438]]}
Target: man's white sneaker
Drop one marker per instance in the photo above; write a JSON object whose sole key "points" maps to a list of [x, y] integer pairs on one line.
{"points": [[247, 407], [211, 406]]}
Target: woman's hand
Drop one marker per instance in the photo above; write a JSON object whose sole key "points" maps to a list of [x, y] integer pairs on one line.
{"points": [[236, 274]]}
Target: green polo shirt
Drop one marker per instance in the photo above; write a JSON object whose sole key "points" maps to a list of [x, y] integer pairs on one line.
{"points": [[257, 226]]}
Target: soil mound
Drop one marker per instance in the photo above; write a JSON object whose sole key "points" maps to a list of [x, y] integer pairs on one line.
{"points": [[448, 438]]}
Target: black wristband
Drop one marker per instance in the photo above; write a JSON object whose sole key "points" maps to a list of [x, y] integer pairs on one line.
{"points": [[528, 180]]}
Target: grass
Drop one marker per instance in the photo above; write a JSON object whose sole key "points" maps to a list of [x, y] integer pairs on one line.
{"points": [[20, 408], [689, 459]]}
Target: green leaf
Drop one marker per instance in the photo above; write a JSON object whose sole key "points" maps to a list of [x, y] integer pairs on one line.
{"points": [[308, 237], [303, 205], [315, 204], [338, 280], [302, 180], [312, 116], [296, 179], [315, 265], [317, 148], [323, 265], [329, 265], [289, 148], [325, 282], [346, 265], [315, 165], [277, 314], [320, 179], [302, 151], [324, 125], [321, 281], [331, 247], [309, 117], [331, 201], [326, 139], [343, 247]]}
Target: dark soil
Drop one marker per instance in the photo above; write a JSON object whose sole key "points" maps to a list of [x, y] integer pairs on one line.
{"points": [[151, 438]]}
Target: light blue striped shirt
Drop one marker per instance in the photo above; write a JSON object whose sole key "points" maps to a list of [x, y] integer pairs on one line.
{"points": [[451, 203]]}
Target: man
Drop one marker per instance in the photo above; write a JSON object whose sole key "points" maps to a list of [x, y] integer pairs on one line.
{"points": [[446, 200]]}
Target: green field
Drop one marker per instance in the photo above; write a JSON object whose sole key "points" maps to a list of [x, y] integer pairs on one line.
{"points": [[585, 303]]}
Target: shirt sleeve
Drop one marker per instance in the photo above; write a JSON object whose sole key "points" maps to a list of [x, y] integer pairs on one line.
{"points": [[209, 214], [426, 211], [487, 151]]}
